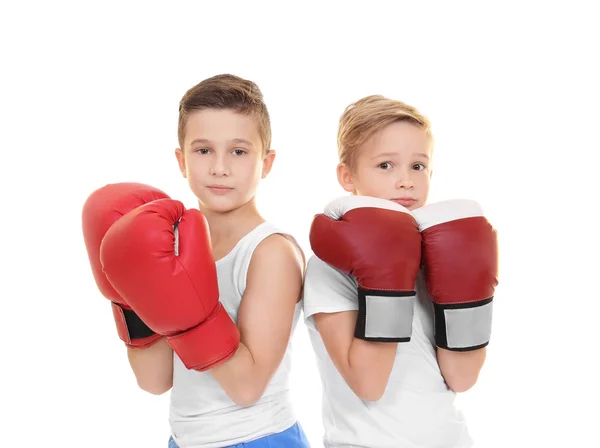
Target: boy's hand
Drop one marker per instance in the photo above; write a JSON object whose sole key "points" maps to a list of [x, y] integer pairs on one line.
{"points": [[378, 242], [460, 255], [159, 257]]}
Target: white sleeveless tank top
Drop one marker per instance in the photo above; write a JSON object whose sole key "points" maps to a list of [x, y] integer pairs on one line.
{"points": [[201, 413]]}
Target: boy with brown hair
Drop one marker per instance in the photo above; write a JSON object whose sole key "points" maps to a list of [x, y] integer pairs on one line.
{"points": [[398, 295], [206, 301]]}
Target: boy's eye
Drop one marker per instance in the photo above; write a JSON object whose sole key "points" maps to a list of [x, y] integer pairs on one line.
{"points": [[239, 152], [418, 167], [203, 150], [385, 165]]}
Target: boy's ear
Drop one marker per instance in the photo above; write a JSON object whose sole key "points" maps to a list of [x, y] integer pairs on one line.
{"points": [[268, 163], [181, 161], [344, 175]]}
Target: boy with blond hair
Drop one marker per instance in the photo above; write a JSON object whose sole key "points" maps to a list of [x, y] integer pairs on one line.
{"points": [[398, 297]]}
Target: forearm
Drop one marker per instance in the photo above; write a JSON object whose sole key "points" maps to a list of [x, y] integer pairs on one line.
{"points": [[242, 377], [364, 365], [460, 369], [153, 367], [369, 366]]}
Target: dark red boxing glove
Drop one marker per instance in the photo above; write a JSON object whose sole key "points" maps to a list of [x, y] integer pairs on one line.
{"points": [[100, 211], [460, 256], [159, 258], [378, 242]]}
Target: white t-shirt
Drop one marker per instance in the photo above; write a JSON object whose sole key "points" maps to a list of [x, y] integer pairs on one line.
{"points": [[417, 408], [201, 414]]}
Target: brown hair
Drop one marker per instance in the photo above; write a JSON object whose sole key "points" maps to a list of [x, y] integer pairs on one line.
{"points": [[227, 92], [368, 115]]}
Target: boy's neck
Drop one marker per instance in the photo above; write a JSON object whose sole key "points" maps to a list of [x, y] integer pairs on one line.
{"points": [[226, 229]]}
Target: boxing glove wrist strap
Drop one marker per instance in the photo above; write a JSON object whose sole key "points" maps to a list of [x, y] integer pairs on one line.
{"points": [[129, 326], [384, 316], [463, 326], [212, 342]]}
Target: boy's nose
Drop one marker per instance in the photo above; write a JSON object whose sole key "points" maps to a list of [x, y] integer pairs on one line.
{"points": [[405, 182], [219, 167]]}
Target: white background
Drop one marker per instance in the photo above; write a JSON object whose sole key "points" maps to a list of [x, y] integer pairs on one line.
{"points": [[89, 96]]}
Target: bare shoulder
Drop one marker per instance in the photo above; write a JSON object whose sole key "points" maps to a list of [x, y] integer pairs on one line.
{"points": [[278, 252], [276, 270]]}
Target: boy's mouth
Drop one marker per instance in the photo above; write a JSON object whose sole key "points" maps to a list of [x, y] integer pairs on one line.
{"points": [[219, 188], [405, 202]]}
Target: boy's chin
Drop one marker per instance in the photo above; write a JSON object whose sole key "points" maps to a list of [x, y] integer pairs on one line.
{"points": [[223, 205]]}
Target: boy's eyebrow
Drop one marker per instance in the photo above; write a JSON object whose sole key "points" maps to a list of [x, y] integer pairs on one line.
{"points": [[241, 140], [391, 154], [235, 140], [199, 140]]}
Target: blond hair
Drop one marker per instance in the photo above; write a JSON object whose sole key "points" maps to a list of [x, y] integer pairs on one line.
{"points": [[368, 115]]}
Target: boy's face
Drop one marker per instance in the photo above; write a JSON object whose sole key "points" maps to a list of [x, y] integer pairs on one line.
{"points": [[222, 158], [394, 164]]}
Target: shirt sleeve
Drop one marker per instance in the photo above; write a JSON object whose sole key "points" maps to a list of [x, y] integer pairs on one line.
{"points": [[327, 290]]}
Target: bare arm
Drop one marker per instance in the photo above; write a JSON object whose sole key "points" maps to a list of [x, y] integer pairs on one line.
{"points": [[460, 369], [153, 367], [364, 365], [265, 320]]}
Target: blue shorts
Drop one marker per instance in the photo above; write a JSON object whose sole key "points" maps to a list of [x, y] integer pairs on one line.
{"points": [[293, 437]]}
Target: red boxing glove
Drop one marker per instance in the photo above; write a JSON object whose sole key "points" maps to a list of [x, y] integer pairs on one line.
{"points": [[159, 258], [101, 210], [378, 242], [460, 255]]}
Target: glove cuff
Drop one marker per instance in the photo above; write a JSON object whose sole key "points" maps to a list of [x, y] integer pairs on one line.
{"points": [[463, 327], [212, 342], [384, 316], [131, 329]]}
